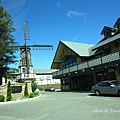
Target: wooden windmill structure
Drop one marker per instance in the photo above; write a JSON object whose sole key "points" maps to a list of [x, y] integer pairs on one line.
{"points": [[25, 64]]}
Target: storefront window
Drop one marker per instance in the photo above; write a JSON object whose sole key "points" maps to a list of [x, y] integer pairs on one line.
{"points": [[64, 82]]}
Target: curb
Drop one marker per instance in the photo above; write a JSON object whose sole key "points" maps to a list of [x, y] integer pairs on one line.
{"points": [[7, 102]]}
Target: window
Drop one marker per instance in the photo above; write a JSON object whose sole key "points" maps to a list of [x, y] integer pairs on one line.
{"points": [[108, 84], [48, 77], [41, 78], [108, 34], [71, 61], [66, 82], [62, 82], [23, 70], [117, 83], [23, 62], [102, 84], [107, 51]]}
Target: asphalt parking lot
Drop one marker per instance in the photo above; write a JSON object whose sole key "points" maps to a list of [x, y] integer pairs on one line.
{"points": [[63, 106]]}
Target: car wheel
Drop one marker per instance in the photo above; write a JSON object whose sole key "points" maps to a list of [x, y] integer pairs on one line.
{"points": [[97, 92], [118, 92]]}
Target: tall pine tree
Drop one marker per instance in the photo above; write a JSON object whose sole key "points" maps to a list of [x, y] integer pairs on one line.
{"points": [[26, 94], [9, 91], [6, 39]]}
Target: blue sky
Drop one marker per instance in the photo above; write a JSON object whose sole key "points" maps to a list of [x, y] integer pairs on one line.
{"points": [[53, 20]]}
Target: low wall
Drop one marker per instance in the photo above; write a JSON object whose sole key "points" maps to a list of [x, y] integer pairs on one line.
{"points": [[3, 90]]}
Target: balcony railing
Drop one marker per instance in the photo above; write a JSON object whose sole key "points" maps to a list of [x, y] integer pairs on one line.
{"points": [[83, 65], [111, 57], [73, 68], [94, 62], [98, 61], [66, 70]]}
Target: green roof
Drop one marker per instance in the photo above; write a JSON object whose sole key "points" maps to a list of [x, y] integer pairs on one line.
{"points": [[82, 49]]}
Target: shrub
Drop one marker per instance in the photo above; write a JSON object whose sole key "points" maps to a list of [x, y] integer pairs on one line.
{"points": [[9, 90], [2, 98], [26, 94], [34, 86], [36, 93], [31, 95], [41, 89]]}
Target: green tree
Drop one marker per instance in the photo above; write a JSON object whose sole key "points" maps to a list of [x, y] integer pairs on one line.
{"points": [[26, 94], [34, 86], [6, 39], [9, 91]]}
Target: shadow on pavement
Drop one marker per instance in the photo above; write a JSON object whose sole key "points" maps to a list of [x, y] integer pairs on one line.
{"points": [[89, 93], [75, 91], [105, 95]]}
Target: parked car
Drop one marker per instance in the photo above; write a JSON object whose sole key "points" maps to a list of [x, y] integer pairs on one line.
{"points": [[50, 88], [107, 87]]}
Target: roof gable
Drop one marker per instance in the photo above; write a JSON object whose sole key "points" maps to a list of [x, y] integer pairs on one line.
{"points": [[80, 49]]}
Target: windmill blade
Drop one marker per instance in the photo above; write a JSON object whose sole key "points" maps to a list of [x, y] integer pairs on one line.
{"points": [[15, 45], [35, 47], [42, 47], [26, 31]]}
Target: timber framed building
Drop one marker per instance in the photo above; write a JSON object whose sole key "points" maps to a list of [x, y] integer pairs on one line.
{"points": [[82, 65]]}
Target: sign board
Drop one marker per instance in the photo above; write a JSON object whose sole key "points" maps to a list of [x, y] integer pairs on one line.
{"points": [[16, 89]]}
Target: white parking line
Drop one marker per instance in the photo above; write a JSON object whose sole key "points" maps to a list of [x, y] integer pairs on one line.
{"points": [[104, 98], [108, 99]]}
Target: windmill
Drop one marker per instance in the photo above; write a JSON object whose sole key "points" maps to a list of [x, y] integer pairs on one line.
{"points": [[25, 64]]}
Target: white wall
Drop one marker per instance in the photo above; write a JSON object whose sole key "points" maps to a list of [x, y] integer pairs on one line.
{"points": [[46, 79]]}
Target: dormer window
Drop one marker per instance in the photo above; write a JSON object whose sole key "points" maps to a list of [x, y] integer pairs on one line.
{"points": [[107, 34], [107, 31]]}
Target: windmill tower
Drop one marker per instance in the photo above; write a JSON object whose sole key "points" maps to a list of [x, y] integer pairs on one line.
{"points": [[25, 63]]}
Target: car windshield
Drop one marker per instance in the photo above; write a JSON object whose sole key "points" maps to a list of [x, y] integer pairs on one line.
{"points": [[116, 83]]}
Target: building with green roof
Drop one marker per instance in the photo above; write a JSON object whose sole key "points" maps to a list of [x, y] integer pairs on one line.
{"points": [[82, 65]]}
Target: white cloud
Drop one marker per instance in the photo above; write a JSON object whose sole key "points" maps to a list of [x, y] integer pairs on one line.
{"points": [[69, 15], [72, 14], [75, 38], [80, 15], [58, 5], [75, 14]]}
